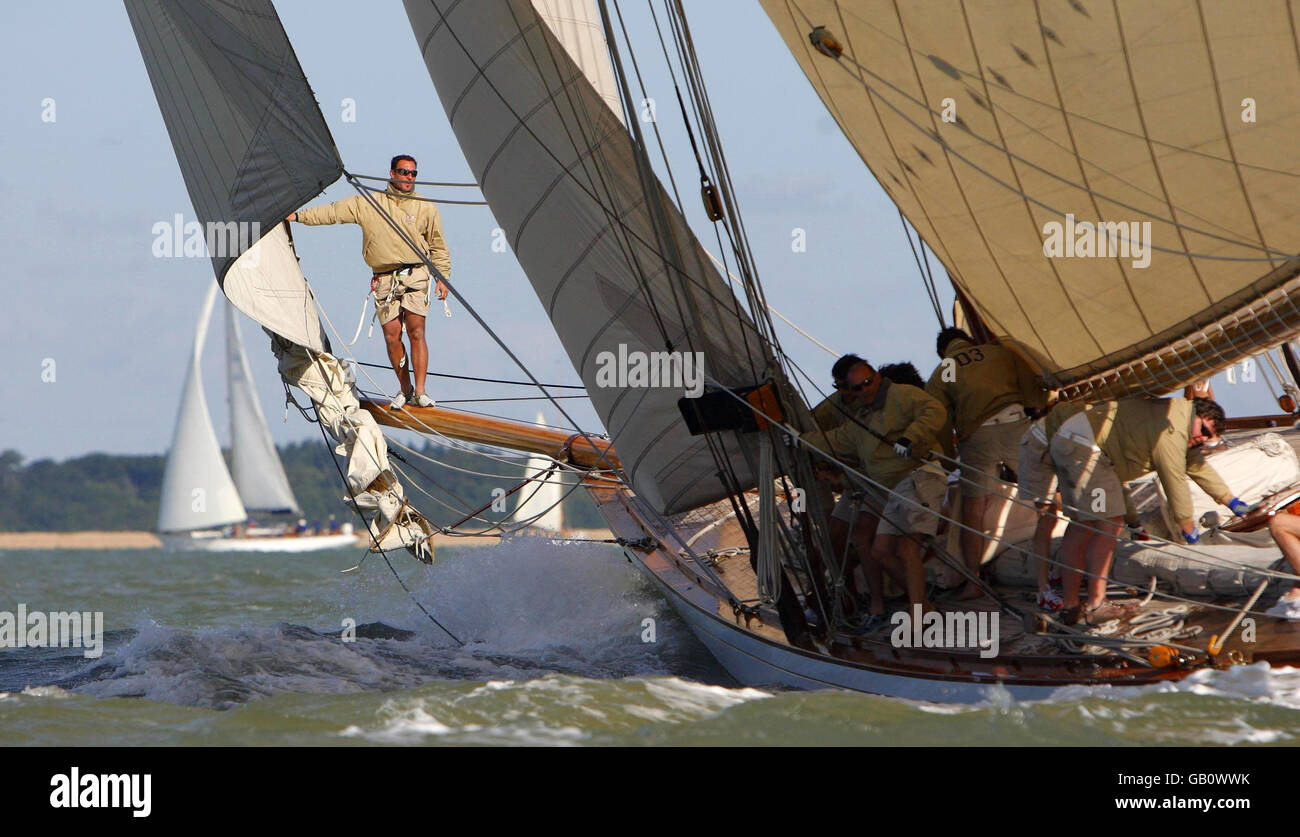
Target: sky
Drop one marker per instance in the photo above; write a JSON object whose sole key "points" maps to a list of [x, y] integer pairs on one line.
{"points": [[96, 331]]}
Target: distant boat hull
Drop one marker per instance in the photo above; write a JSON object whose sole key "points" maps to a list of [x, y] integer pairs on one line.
{"points": [[216, 542]]}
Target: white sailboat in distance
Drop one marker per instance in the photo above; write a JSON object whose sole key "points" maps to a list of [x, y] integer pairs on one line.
{"points": [[538, 509], [201, 506]]}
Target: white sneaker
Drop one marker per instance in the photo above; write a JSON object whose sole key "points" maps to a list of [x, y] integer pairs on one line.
{"points": [[1050, 598], [398, 403], [423, 400], [1288, 609]]}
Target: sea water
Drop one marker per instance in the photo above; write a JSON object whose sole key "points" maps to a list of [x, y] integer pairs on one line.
{"points": [[564, 644]]}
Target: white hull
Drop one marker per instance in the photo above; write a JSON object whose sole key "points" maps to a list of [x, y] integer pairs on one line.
{"points": [[756, 661], [205, 542]]}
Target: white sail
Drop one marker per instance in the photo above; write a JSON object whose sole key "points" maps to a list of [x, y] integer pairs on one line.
{"points": [[576, 23], [197, 492], [256, 467], [267, 284], [612, 261], [541, 498]]}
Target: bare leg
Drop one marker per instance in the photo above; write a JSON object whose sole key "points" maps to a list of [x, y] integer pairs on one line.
{"points": [[909, 550], [972, 541], [1100, 556], [864, 533], [419, 349], [884, 555], [1073, 555], [1285, 529], [1043, 544], [396, 353]]}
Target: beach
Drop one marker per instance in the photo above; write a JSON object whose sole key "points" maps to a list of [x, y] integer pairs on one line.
{"points": [[95, 539]]}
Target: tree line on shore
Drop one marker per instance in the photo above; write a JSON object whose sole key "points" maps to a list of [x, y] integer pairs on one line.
{"points": [[120, 492]]}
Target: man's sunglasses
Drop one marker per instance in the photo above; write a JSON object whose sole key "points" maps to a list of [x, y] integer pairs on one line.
{"points": [[856, 387], [407, 172]]}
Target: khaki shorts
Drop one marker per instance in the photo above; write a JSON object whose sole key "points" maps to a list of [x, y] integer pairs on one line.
{"points": [[394, 292], [1090, 487], [853, 504], [984, 450], [1037, 478], [901, 517]]}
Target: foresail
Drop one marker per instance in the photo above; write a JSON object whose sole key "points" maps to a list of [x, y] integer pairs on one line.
{"points": [[1022, 139], [249, 137], [560, 173], [255, 465], [197, 492]]}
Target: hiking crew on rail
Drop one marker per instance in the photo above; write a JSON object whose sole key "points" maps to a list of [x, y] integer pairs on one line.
{"points": [[898, 438]]}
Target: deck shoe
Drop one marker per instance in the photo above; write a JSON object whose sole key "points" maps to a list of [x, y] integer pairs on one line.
{"points": [[1288, 609], [1050, 598], [399, 402], [1108, 610], [423, 400]]}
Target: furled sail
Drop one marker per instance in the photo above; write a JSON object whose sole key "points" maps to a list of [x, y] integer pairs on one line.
{"points": [[197, 492], [1021, 139], [560, 173], [254, 463], [250, 139]]}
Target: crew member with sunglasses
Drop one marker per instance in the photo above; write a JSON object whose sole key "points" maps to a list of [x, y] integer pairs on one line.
{"points": [[893, 435], [1097, 449], [400, 280], [852, 509]]}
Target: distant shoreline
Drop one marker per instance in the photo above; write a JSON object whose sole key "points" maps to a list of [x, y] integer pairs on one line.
{"points": [[79, 540], [149, 540]]}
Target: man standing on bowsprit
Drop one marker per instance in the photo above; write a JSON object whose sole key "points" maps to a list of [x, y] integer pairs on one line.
{"points": [[400, 282]]}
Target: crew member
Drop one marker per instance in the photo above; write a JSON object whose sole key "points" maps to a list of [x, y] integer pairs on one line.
{"points": [[1096, 450], [400, 280], [893, 434], [987, 391]]}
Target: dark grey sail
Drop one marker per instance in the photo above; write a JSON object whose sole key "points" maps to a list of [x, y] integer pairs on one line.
{"points": [[250, 140]]}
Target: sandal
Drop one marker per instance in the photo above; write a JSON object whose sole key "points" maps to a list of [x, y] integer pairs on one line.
{"points": [[1108, 610]]}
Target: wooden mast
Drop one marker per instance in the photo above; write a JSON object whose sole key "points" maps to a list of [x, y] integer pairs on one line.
{"points": [[572, 448]]}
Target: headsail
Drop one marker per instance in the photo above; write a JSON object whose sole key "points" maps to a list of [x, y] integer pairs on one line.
{"points": [[560, 173], [197, 492], [251, 141], [256, 467], [987, 122], [253, 146]]}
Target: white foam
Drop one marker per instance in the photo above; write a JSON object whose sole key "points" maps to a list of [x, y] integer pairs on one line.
{"points": [[47, 692]]}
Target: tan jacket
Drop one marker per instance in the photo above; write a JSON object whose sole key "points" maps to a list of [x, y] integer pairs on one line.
{"points": [[985, 380], [1151, 434], [898, 410], [381, 246], [831, 411]]}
